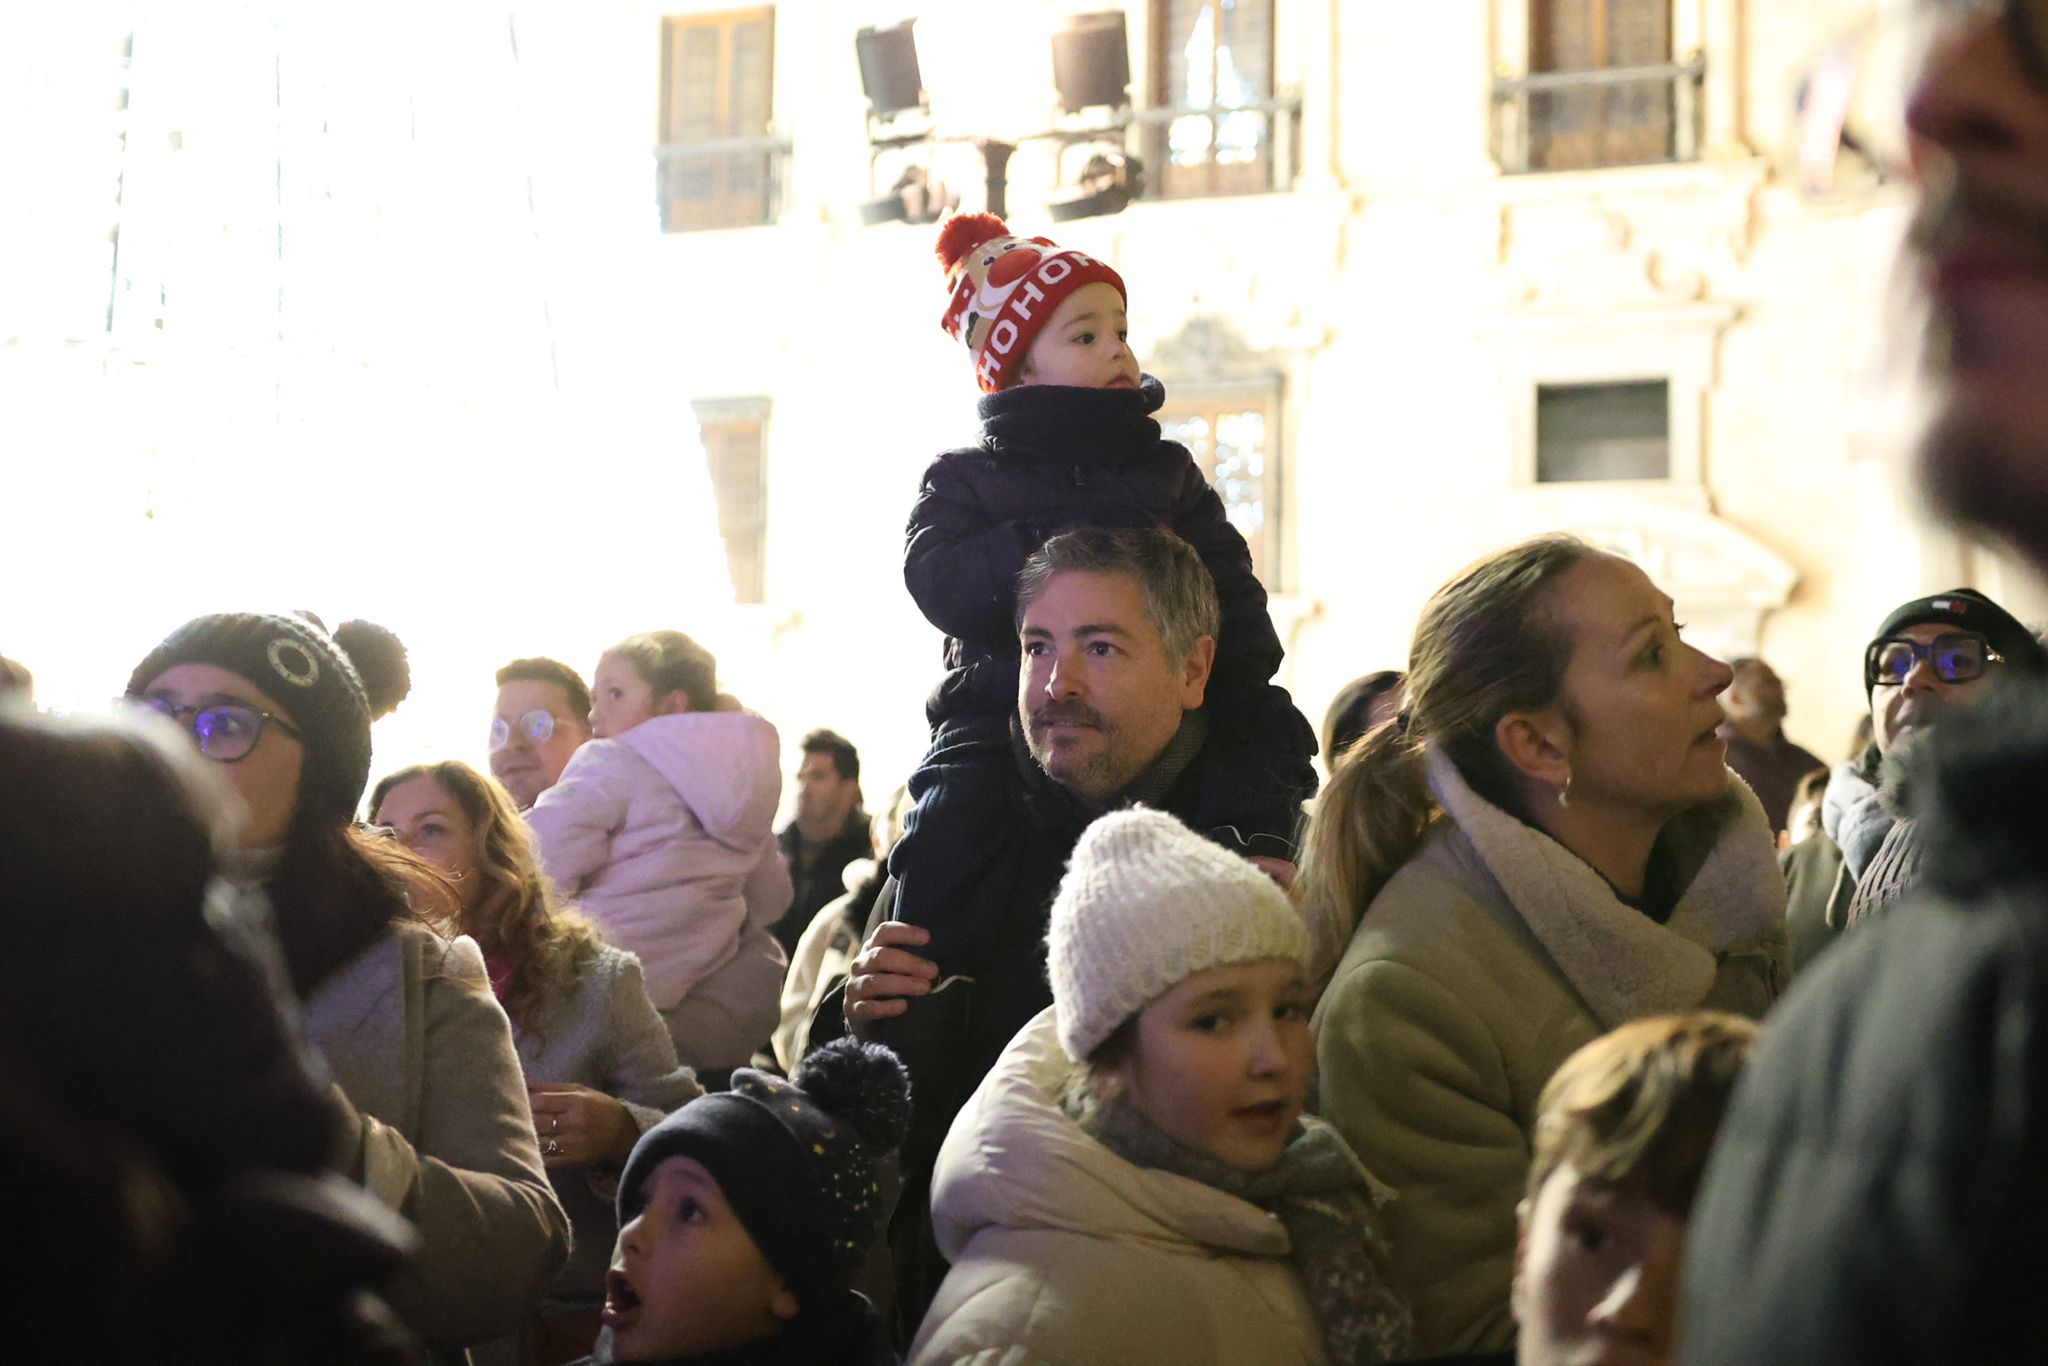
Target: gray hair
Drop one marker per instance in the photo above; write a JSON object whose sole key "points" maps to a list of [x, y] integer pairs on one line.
{"points": [[1180, 597]]}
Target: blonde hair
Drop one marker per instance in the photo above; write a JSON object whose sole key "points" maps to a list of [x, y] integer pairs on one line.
{"points": [[517, 918], [1486, 645], [1646, 1099]]}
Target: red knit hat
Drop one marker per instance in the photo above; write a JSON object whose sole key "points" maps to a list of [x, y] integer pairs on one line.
{"points": [[1005, 287]]}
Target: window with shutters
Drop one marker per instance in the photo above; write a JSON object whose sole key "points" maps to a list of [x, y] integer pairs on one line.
{"points": [[1231, 431], [1211, 59], [1602, 87], [735, 449], [720, 164]]}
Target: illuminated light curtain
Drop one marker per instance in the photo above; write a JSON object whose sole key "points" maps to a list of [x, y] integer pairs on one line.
{"points": [[378, 346]]}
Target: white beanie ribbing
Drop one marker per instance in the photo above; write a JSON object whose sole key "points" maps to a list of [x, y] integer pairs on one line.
{"points": [[1145, 903]]}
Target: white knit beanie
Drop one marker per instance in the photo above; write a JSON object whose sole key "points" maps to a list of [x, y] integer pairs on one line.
{"points": [[1147, 902]]}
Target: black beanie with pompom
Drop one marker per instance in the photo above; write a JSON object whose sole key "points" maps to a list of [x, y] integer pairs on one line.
{"points": [[291, 659], [795, 1159]]}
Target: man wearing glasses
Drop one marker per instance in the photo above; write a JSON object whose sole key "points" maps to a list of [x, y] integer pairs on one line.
{"points": [[1932, 657], [1879, 1189], [543, 717]]}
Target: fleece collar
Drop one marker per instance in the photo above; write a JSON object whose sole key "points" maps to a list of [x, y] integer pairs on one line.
{"points": [[1623, 964]]}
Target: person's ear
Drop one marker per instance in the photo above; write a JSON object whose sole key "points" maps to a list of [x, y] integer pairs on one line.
{"points": [[1194, 672], [1536, 745], [782, 1304], [675, 703]]}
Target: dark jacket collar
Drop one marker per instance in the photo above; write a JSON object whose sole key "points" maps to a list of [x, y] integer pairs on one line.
{"points": [[1063, 423]]}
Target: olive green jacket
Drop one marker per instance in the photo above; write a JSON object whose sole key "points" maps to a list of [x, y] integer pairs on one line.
{"points": [[1488, 958]]}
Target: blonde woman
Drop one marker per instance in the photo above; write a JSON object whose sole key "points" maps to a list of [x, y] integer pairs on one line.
{"points": [[1545, 844], [599, 1064]]}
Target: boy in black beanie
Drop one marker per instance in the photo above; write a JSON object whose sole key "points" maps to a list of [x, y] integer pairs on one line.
{"points": [[745, 1215]]}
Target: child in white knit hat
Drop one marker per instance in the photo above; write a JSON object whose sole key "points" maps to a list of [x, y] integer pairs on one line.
{"points": [[1135, 1180]]}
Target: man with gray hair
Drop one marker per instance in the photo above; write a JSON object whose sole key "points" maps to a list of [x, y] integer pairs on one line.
{"points": [[1117, 635]]}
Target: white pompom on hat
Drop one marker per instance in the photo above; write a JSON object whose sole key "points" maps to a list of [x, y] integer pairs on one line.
{"points": [[1146, 903]]}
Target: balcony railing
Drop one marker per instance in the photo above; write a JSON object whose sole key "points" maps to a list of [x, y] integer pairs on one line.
{"points": [[720, 182], [1581, 120]]}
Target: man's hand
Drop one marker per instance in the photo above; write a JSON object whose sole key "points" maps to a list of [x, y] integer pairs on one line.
{"points": [[886, 972]]}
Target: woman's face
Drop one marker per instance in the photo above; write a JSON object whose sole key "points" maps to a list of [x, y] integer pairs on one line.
{"points": [[267, 777], [1644, 701], [430, 822], [1222, 1061]]}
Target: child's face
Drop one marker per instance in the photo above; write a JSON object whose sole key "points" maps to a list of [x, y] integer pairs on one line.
{"points": [[621, 699], [1222, 1061], [686, 1276], [1082, 344], [1596, 1275]]}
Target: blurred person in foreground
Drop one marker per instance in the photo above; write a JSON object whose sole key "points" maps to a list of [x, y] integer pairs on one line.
{"points": [[1878, 1190], [167, 1132]]}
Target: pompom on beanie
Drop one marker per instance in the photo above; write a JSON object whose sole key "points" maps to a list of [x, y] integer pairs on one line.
{"points": [[291, 659], [1146, 903]]}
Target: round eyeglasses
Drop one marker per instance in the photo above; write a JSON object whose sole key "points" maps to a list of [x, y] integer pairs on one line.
{"points": [[225, 731], [537, 725], [1957, 657]]}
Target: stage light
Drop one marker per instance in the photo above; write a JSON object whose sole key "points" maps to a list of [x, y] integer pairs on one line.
{"points": [[1091, 62], [889, 74], [1108, 184]]}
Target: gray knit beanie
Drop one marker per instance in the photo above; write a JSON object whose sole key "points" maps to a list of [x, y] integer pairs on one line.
{"points": [[1145, 903]]}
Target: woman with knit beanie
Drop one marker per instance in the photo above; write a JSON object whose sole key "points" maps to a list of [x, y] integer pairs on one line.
{"points": [[1135, 1181], [436, 1123], [746, 1215], [599, 1063], [1545, 844]]}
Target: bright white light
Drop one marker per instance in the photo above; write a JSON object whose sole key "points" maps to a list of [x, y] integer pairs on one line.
{"points": [[378, 347]]}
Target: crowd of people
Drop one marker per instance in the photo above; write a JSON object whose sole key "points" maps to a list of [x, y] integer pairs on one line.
{"points": [[1580, 1016]]}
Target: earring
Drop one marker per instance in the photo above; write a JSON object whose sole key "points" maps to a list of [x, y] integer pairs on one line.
{"points": [[1564, 794]]}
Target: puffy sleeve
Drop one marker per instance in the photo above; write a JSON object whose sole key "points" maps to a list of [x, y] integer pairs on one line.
{"points": [[960, 560], [1415, 1083], [574, 820], [644, 1075], [492, 1234]]}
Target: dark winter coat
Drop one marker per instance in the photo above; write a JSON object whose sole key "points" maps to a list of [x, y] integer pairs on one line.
{"points": [[1877, 1192], [822, 882], [1052, 458]]}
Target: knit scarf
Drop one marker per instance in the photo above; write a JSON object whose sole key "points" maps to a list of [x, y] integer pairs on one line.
{"points": [[1319, 1196]]}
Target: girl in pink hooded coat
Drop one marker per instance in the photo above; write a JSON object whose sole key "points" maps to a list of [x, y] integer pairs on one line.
{"points": [[662, 830]]}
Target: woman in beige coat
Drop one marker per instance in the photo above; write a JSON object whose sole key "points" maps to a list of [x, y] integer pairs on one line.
{"points": [[1134, 1182], [1545, 844], [436, 1123]]}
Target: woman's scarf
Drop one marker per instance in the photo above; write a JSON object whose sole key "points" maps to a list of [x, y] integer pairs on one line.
{"points": [[1321, 1198]]}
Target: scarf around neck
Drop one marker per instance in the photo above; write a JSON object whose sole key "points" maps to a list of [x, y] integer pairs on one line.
{"points": [[1320, 1195]]}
